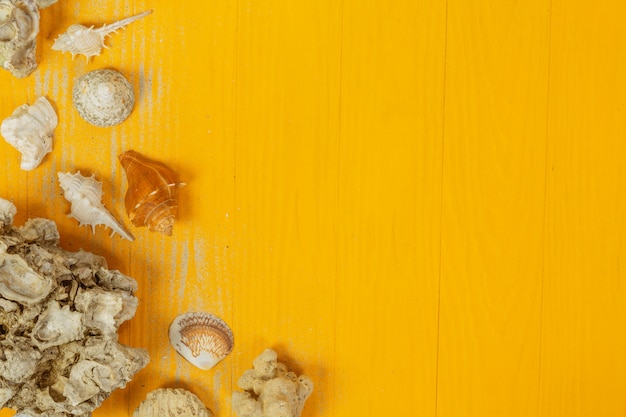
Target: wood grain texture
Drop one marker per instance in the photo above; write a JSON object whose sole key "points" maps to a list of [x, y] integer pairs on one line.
{"points": [[389, 203], [418, 204], [583, 343], [494, 163]]}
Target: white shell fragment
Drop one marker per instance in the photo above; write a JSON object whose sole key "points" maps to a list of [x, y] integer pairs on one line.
{"points": [[271, 389], [55, 358], [88, 41], [166, 402], [42, 4], [30, 130], [7, 213], [19, 26], [201, 338], [103, 97], [85, 195]]}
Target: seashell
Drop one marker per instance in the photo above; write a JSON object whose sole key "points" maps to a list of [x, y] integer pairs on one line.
{"points": [[103, 97], [30, 130], [42, 4], [88, 41], [7, 11], [19, 282], [19, 26], [85, 194], [7, 213], [57, 326], [172, 402], [105, 310], [152, 196], [201, 338]]}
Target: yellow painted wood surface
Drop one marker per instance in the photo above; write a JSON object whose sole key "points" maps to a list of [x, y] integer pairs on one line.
{"points": [[417, 203]]}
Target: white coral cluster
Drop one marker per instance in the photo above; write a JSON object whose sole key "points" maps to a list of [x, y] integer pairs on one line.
{"points": [[59, 315], [271, 389]]}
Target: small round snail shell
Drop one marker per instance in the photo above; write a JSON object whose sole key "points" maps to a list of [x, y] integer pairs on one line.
{"points": [[103, 97]]}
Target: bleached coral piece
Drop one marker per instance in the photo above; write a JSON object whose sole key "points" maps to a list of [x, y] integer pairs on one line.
{"points": [[271, 390], [59, 315], [19, 26], [30, 130]]}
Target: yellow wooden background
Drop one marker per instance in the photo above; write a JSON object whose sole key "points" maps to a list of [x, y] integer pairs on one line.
{"points": [[418, 203]]}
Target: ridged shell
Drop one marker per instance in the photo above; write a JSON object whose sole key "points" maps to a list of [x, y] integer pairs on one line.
{"points": [[165, 402], [19, 282], [30, 130], [85, 195], [79, 39], [103, 97], [152, 196], [201, 338]]}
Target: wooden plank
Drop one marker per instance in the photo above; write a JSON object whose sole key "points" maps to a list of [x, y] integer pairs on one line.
{"points": [[284, 257], [583, 341], [389, 207], [493, 208], [183, 118]]}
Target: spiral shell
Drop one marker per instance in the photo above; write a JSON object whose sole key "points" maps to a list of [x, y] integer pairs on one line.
{"points": [[103, 97], [85, 195], [88, 41], [201, 338], [152, 196], [29, 130]]}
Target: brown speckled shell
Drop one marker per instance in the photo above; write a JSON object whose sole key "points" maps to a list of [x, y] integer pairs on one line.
{"points": [[152, 196]]}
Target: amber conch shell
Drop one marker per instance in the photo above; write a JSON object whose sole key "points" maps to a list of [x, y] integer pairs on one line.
{"points": [[152, 196]]}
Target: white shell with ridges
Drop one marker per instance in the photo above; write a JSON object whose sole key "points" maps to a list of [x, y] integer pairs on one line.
{"points": [[88, 41], [30, 130], [201, 338], [164, 402], [103, 97], [85, 195]]}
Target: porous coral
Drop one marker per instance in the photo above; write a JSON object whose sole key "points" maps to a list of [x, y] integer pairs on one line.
{"points": [[271, 389], [59, 315]]}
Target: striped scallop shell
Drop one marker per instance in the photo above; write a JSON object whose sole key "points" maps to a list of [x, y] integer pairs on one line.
{"points": [[201, 338], [152, 196]]}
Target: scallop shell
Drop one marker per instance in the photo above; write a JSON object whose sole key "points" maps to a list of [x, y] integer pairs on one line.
{"points": [[88, 41], [103, 97], [30, 130], [201, 338], [152, 196], [172, 402], [85, 194]]}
